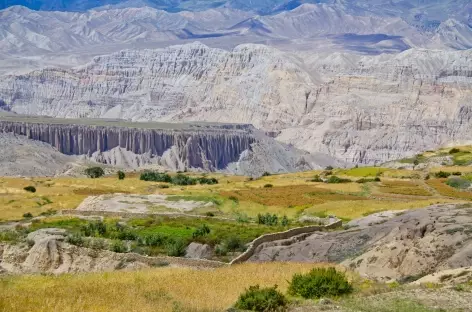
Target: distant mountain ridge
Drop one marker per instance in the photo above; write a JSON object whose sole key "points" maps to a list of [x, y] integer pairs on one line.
{"points": [[424, 13]]}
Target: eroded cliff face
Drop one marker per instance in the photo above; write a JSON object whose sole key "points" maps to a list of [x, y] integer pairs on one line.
{"points": [[211, 148], [359, 109]]}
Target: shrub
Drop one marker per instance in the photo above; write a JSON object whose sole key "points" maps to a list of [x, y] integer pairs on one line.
{"points": [[266, 174], [454, 151], [30, 189], [457, 173], [285, 221], [176, 248], [210, 181], [268, 185], [118, 246], [426, 177], [201, 231], [75, 239], [316, 178], [335, 180], [163, 186], [209, 214], [320, 282], [121, 175], [262, 300], [267, 219], [233, 243], [377, 179], [442, 174], [155, 177], [458, 183], [365, 180], [182, 179], [329, 168], [28, 215], [94, 229], [94, 172], [153, 240]]}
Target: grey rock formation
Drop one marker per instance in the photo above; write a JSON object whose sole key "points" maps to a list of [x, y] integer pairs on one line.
{"points": [[210, 148], [198, 251], [415, 243]]}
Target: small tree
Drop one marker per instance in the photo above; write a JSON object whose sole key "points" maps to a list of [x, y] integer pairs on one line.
{"points": [[121, 175], [30, 189], [94, 172]]}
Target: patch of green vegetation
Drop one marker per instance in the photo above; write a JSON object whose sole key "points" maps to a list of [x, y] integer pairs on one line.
{"points": [[10, 236], [94, 172], [462, 158], [458, 183], [155, 235]]}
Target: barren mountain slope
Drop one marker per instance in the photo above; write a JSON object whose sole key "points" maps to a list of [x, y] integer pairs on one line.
{"points": [[362, 109], [22, 157]]}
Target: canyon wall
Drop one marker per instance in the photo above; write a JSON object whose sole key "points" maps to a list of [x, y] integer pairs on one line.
{"points": [[211, 148]]}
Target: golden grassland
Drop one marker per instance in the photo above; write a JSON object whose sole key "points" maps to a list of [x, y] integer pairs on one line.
{"points": [[292, 194], [160, 289], [446, 190], [359, 208], [403, 188]]}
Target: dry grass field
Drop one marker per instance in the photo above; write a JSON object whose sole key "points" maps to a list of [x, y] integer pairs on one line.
{"points": [[160, 289]]}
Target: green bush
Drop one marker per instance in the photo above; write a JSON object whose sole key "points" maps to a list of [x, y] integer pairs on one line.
{"points": [[262, 300], [153, 240], [268, 185], [377, 179], [457, 173], [28, 215], [201, 231], [285, 221], [75, 239], [316, 178], [329, 168], [458, 183], [210, 181], [266, 174], [454, 151], [182, 179], [155, 177], [30, 189], [335, 180], [233, 243], [366, 180], [320, 282], [121, 175], [267, 219], [94, 172], [118, 246], [442, 174], [176, 248]]}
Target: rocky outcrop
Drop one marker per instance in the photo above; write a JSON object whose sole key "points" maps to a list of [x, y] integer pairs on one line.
{"points": [[416, 243], [209, 147], [46, 251]]}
